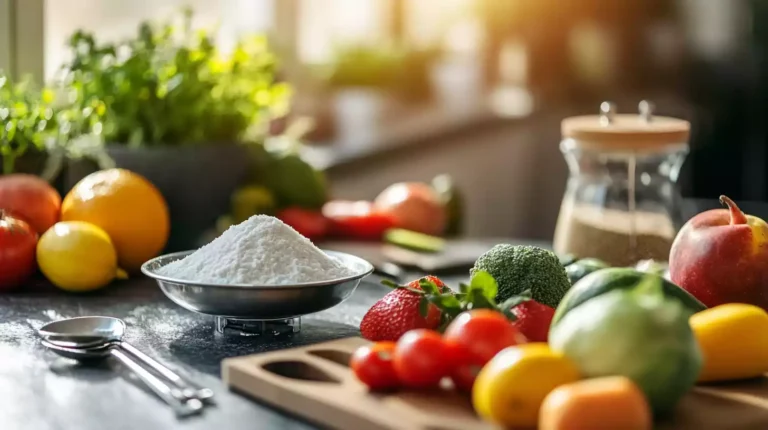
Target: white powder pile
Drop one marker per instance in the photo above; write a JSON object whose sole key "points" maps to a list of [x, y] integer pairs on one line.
{"points": [[261, 250]]}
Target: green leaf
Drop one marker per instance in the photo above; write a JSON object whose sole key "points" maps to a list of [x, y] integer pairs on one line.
{"points": [[483, 302], [484, 282], [446, 302], [424, 306], [428, 286], [390, 284], [463, 288]]}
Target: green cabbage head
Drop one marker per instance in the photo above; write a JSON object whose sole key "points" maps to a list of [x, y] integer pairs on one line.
{"points": [[638, 333]]}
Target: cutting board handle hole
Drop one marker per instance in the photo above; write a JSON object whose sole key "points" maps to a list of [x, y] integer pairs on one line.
{"points": [[299, 370], [336, 356]]}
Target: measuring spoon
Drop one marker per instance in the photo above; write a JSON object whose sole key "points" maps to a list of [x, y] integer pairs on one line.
{"points": [[97, 331]]}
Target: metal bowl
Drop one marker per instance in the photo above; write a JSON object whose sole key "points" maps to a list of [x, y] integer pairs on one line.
{"points": [[258, 302]]}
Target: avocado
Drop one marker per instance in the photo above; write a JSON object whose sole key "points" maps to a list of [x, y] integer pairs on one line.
{"points": [[517, 268], [605, 280]]}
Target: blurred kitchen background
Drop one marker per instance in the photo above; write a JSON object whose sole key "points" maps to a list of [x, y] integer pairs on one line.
{"points": [[404, 90]]}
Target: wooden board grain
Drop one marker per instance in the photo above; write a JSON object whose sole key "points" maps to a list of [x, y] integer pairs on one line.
{"points": [[316, 383]]}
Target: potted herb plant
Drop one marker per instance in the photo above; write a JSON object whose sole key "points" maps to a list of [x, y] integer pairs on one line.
{"points": [[179, 112], [38, 134]]}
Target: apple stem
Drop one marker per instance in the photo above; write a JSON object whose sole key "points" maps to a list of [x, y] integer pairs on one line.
{"points": [[737, 216]]}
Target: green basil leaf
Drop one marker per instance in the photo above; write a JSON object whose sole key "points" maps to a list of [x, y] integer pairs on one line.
{"points": [[484, 282]]}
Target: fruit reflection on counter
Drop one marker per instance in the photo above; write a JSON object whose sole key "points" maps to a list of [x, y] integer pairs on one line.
{"points": [[720, 257], [111, 220]]}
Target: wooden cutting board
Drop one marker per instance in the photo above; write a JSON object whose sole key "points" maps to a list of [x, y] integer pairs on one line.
{"points": [[315, 382]]}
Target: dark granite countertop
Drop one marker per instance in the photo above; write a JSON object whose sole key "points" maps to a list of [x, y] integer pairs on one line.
{"points": [[42, 391]]}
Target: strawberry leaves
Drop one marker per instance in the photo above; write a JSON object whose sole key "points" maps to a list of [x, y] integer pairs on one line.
{"points": [[480, 293]]}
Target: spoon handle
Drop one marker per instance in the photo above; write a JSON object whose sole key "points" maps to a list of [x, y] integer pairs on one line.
{"points": [[189, 389], [172, 397]]}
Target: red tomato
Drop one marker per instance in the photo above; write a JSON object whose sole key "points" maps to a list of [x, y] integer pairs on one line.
{"points": [[475, 337], [464, 366], [420, 359], [17, 251], [357, 220], [310, 224], [372, 364]]}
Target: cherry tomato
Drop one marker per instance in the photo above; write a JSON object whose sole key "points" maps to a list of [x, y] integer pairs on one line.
{"points": [[310, 224], [372, 364], [464, 366], [357, 219], [17, 251], [475, 337], [421, 359]]}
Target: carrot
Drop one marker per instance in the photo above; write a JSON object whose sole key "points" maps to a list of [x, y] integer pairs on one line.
{"points": [[612, 402]]}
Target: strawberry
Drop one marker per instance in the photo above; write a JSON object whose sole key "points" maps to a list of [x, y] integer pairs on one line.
{"points": [[533, 320], [399, 311]]}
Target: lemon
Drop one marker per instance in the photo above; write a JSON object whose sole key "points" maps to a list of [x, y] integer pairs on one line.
{"points": [[510, 389], [77, 256]]}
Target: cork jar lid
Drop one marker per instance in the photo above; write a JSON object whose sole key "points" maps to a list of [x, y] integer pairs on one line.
{"points": [[612, 131]]}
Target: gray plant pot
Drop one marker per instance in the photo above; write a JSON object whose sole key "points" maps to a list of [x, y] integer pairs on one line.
{"points": [[35, 163], [196, 181]]}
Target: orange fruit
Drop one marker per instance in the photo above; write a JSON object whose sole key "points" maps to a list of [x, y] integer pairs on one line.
{"points": [[125, 205]]}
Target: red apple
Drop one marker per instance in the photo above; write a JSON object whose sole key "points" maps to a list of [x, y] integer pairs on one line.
{"points": [[721, 256]]}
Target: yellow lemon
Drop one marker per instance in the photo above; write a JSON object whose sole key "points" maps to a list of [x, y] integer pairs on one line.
{"points": [[734, 341], [77, 256], [510, 389]]}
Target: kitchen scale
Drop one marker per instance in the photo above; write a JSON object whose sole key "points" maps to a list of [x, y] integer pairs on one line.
{"points": [[251, 327]]}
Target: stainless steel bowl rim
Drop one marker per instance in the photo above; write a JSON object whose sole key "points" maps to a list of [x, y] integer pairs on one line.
{"points": [[145, 269]]}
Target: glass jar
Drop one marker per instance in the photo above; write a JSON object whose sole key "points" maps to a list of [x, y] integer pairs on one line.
{"points": [[621, 204]]}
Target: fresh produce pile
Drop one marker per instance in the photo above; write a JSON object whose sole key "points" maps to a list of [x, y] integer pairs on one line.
{"points": [[412, 215], [110, 223], [554, 343]]}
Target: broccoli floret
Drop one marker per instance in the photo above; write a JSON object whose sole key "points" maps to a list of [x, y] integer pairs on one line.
{"points": [[520, 268]]}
